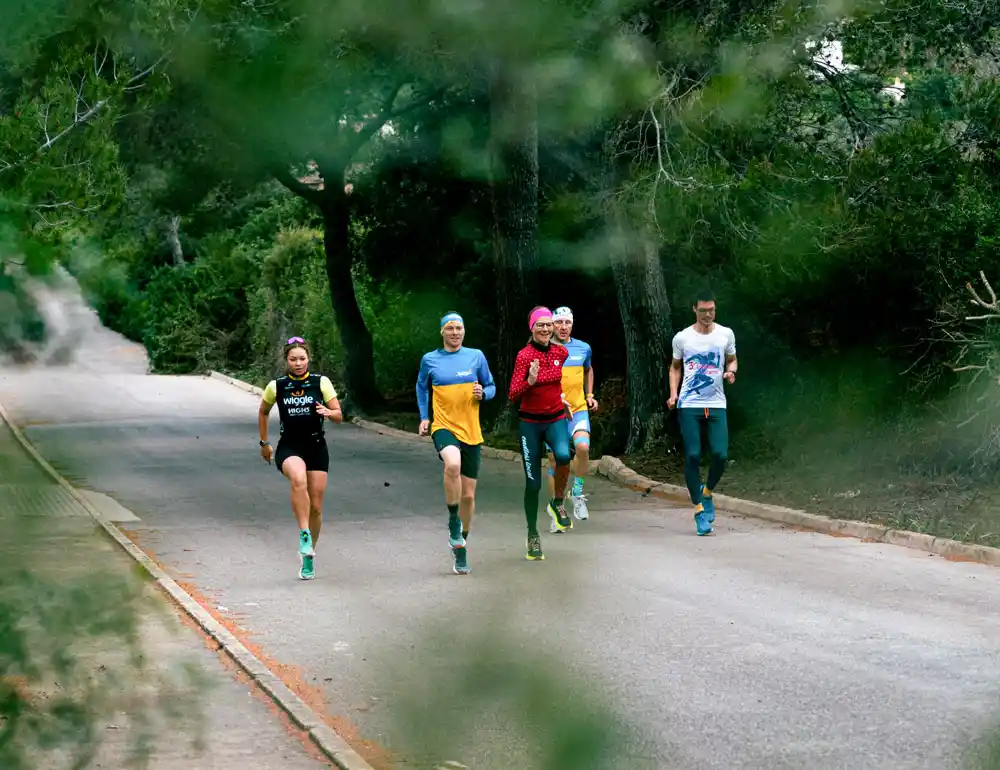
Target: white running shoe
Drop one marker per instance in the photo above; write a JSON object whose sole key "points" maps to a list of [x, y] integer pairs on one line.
{"points": [[580, 509]]}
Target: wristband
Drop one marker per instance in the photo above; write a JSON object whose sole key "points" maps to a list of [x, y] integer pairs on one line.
{"points": [[265, 443], [590, 395]]}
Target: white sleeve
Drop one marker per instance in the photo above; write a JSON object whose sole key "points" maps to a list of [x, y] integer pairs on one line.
{"points": [[731, 344], [678, 347]]}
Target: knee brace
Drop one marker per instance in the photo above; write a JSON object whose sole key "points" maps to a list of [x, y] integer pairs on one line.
{"points": [[581, 441]]}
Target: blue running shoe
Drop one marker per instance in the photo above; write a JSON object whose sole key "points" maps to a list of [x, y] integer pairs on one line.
{"points": [[308, 569], [708, 503], [701, 521]]}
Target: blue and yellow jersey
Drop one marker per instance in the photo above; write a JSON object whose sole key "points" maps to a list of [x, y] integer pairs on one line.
{"points": [[450, 377], [574, 374]]}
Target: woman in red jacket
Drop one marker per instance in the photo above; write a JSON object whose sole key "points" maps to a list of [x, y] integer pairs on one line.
{"points": [[537, 382]]}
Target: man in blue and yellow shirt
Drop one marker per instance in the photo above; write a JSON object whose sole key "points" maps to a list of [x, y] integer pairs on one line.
{"points": [[578, 390], [452, 381]]}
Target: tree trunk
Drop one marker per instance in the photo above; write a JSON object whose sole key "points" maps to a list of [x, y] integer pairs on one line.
{"points": [[174, 239], [514, 188], [643, 302], [361, 391], [645, 311]]}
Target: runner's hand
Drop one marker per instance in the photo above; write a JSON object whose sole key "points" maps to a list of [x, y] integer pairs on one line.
{"points": [[324, 411], [425, 426], [567, 406], [671, 402], [477, 392], [592, 404], [267, 453], [533, 372], [729, 377]]}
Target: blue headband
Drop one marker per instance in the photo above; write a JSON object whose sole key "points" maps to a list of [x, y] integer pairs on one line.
{"points": [[451, 317]]}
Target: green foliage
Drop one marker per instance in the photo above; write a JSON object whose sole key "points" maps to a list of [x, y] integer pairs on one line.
{"points": [[292, 298], [476, 686], [54, 703]]}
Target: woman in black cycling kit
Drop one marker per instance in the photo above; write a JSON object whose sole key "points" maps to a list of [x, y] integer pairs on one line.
{"points": [[304, 401]]}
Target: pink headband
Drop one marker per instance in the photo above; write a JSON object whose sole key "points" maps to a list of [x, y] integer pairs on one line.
{"points": [[541, 312]]}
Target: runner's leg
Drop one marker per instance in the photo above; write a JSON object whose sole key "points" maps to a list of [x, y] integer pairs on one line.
{"points": [[557, 437], [690, 420], [580, 432], [452, 458], [531, 456], [449, 451], [550, 486], [471, 461], [691, 437], [467, 510], [718, 447], [293, 467], [316, 486], [469, 472]]}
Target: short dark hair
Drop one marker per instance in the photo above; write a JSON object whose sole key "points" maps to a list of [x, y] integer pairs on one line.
{"points": [[705, 295]]}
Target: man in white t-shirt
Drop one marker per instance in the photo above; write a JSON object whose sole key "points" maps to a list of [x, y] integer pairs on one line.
{"points": [[704, 357]]}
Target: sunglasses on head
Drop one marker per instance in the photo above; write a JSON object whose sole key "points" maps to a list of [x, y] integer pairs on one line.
{"points": [[293, 340]]}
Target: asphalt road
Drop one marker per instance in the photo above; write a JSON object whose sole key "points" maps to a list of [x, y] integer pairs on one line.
{"points": [[759, 647]]}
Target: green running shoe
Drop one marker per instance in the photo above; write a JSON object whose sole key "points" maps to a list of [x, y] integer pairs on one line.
{"points": [[535, 549]]}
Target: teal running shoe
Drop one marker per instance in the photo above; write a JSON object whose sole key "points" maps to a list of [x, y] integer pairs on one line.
{"points": [[306, 556], [708, 503], [455, 539], [461, 562]]}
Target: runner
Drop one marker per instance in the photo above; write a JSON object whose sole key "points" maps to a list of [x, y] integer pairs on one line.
{"points": [[459, 378], [578, 387], [699, 351], [304, 399], [537, 384]]}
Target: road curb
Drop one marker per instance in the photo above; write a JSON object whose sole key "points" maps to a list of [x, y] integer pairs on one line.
{"points": [[328, 741], [616, 471]]}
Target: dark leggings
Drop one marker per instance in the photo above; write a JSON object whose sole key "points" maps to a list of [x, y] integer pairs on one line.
{"points": [[534, 436], [690, 420]]}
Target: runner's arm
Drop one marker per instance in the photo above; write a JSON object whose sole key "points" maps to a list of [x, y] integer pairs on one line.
{"points": [[676, 370], [588, 386], [423, 388], [330, 398], [676, 366], [731, 362], [486, 379], [519, 379], [264, 412]]}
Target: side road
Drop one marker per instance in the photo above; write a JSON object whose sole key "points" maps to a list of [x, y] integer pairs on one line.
{"points": [[235, 723]]}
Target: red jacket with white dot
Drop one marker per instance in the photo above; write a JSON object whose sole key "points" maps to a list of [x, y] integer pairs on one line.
{"points": [[541, 402]]}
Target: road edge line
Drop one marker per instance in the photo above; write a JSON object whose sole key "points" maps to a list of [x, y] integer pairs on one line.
{"points": [[327, 739], [616, 471]]}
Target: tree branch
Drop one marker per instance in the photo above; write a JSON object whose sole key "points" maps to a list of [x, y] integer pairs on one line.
{"points": [[286, 179], [386, 114], [80, 118]]}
